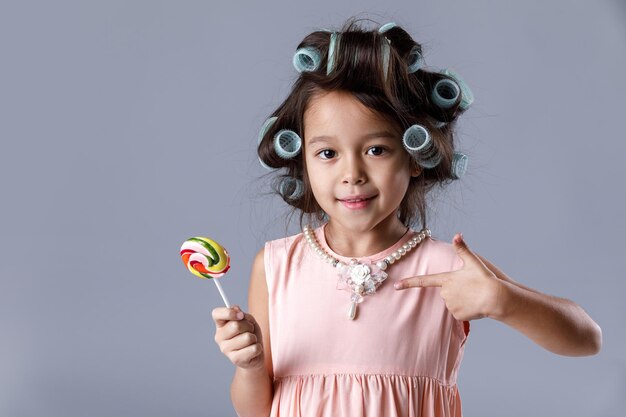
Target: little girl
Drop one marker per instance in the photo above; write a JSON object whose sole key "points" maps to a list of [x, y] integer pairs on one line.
{"points": [[360, 314]]}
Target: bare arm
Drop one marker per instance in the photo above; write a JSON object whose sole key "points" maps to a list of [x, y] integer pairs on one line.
{"points": [[252, 389], [479, 289], [557, 324]]}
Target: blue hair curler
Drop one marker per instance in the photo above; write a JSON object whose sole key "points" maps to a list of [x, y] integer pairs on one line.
{"points": [[384, 28], [467, 97], [306, 59], [418, 142], [385, 47], [287, 143], [415, 138], [415, 60], [291, 188], [335, 38], [445, 93], [266, 126], [459, 164]]}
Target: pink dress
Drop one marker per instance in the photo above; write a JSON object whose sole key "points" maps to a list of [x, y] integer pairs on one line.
{"points": [[399, 357]]}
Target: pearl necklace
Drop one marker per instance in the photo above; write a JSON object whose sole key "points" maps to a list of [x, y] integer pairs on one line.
{"points": [[362, 278]]}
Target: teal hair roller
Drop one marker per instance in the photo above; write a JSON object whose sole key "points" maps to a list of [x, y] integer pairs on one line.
{"points": [[266, 126], [306, 59], [335, 38], [467, 97], [415, 60], [445, 93], [291, 188], [418, 142], [287, 143], [384, 28], [459, 164], [385, 47]]}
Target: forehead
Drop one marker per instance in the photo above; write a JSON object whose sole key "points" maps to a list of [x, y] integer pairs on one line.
{"points": [[340, 112]]}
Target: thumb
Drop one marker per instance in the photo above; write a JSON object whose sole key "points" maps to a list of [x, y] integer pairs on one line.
{"points": [[461, 247], [463, 251]]}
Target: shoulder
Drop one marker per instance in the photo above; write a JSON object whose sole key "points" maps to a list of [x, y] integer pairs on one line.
{"points": [[279, 251], [284, 241], [441, 254]]}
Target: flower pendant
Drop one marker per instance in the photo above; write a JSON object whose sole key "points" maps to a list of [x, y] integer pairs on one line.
{"points": [[360, 278]]}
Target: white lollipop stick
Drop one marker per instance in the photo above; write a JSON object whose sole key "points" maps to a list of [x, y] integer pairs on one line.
{"points": [[222, 293]]}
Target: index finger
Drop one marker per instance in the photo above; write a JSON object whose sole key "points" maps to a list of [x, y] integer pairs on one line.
{"points": [[222, 315], [433, 280]]}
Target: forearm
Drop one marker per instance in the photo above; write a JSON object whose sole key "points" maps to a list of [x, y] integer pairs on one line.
{"points": [[557, 324], [252, 392]]}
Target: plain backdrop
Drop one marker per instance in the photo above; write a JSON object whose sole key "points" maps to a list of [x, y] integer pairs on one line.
{"points": [[127, 127]]}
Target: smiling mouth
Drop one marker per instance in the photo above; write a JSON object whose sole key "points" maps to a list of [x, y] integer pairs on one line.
{"points": [[357, 200]]}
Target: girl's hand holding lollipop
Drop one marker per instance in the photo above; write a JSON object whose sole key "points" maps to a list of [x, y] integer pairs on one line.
{"points": [[237, 334]]}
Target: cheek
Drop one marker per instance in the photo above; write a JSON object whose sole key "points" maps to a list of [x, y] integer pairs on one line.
{"points": [[400, 182], [401, 176]]}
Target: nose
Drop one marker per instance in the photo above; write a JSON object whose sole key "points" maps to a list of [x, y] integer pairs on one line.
{"points": [[353, 170]]}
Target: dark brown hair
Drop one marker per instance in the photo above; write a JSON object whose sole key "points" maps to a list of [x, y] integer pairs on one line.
{"points": [[401, 98]]}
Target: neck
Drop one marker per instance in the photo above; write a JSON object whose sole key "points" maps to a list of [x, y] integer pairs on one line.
{"points": [[349, 242]]}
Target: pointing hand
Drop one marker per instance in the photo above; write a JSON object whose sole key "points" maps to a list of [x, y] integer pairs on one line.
{"points": [[472, 292]]}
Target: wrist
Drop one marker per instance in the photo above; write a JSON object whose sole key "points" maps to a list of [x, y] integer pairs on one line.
{"points": [[254, 371], [502, 300]]}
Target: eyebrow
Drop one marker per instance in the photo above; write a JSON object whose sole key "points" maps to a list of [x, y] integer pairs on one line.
{"points": [[381, 134]]}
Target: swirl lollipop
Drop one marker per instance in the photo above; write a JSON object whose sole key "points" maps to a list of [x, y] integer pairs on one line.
{"points": [[205, 258]]}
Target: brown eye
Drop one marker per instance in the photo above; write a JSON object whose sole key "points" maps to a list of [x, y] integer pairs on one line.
{"points": [[377, 150], [326, 153]]}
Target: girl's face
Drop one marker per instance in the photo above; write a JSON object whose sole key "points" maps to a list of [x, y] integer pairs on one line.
{"points": [[357, 167]]}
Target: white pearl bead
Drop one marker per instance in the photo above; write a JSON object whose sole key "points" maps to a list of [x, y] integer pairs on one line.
{"points": [[390, 259], [401, 251], [382, 265], [406, 246], [396, 255]]}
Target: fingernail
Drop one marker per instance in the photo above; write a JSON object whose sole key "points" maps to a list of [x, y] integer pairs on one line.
{"points": [[240, 315], [397, 285]]}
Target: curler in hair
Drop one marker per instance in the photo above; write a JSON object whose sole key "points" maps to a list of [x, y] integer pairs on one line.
{"points": [[445, 93], [384, 28], [385, 47], [418, 142], [459, 164], [291, 188], [415, 60], [335, 38], [287, 143], [306, 59], [266, 126], [467, 97]]}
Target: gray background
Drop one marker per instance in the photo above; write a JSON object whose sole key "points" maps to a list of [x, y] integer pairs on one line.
{"points": [[127, 127]]}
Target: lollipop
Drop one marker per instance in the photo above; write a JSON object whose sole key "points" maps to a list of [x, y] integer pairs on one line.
{"points": [[205, 258]]}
